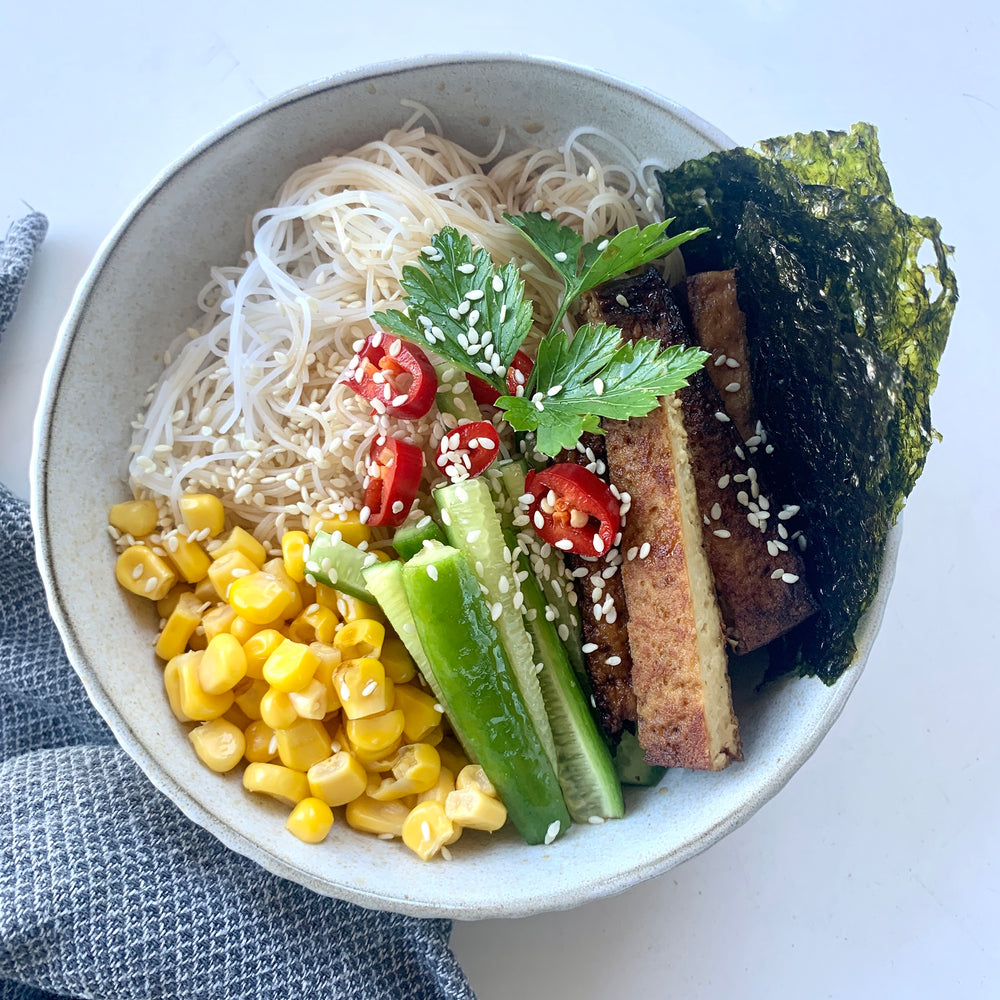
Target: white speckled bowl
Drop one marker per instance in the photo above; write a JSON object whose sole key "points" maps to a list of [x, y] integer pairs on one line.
{"points": [[141, 290]]}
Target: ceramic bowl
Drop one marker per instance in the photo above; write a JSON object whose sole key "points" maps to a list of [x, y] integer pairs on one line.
{"points": [[141, 290]]}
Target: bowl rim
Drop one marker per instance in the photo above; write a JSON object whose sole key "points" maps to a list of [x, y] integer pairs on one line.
{"points": [[528, 903]]}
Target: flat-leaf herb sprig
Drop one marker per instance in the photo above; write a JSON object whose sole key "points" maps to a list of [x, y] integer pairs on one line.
{"points": [[475, 315]]}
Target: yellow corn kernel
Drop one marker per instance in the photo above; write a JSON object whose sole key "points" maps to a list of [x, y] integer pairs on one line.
{"points": [[165, 605], [353, 609], [191, 560], [374, 733], [205, 590], [426, 829], [179, 626], [195, 702], [438, 792], [329, 663], [349, 525], [259, 647], [198, 640], [360, 638], [243, 629], [134, 517], [338, 779], [377, 761], [472, 808], [202, 512], [276, 568], [314, 624], [416, 768], [223, 665], [452, 755], [473, 776], [258, 597], [433, 736], [397, 661], [369, 816], [227, 568], [219, 744], [237, 717], [172, 685], [140, 570], [420, 709], [217, 621], [291, 666], [304, 743], [362, 688], [310, 702], [248, 694], [327, 597], [310, 820], [281, 783], [240, 540], [276, 709], [261, 743], [294, 549]]}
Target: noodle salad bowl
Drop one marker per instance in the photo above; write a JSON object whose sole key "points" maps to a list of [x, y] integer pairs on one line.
{"points": [[152, 281]]}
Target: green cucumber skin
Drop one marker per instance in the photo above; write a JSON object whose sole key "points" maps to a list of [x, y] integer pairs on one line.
{"points": [[487, 711], [347, 560], [630, 763], [409, 539], [586, 770]]}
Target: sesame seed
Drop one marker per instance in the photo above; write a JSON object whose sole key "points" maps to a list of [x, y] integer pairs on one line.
{"points": [[496, 611], [777, 574], [613, 661], [721, 533], [598, 544], [563, 631], [598, 386], [589, 647], [723, 482], [539, 520], [720, 360], [789, 578], [560, 256], [716, 512], [753, 519], [722, 417], [553, 831], [595, 820], [474, 294], [565, 544], [733, 387], [497, 283], [644, 550], [432, 572], [621, 300]]}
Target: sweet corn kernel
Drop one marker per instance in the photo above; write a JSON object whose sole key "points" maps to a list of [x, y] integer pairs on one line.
{"points": [[304, 743], [473, 776], [397, 661], [190, 559], [259, 597], [134, 517], [259, 647], [349, 525], [362, 637], [369, 816], [165, 605], [195, 702], [433, 736], [276, 709], [223, 665], [205, 590], [420, 709], [314, 624], [338, 779], [140, 570], [377, 761], [219, 744], [354, 609], [473, 808], [415, 769], [310, 702], [452, 755], [243, 629], [202, 512], [226, 568], [327, 597], [217, 621], [240, 540], [362, 688], [281, 783], [427, 828], [375, 733], [180, 626], [261, 743], [172, 685], [329, 663], [237, 717], [276, 568], [310, 820], [248, 694], [438, 792], [294, 552], [291, 666]]}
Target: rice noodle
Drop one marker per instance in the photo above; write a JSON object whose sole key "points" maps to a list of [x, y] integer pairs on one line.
{"points": [[248, 398]]}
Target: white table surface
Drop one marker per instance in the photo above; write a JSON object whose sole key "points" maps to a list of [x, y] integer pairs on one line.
{"points": [[873, 873]]}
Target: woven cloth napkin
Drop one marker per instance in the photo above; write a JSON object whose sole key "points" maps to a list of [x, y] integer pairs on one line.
{"points": [[107, 890]]}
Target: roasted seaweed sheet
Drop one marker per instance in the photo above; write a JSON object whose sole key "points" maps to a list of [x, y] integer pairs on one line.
{"points": [[848, 302]]}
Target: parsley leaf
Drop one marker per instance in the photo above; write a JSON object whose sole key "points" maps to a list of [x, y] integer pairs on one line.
{"points": [[585, 266], [457, 300], [594, 375]]}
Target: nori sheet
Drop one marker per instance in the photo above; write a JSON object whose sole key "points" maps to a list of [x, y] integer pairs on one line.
{"points": [[847, 317]]}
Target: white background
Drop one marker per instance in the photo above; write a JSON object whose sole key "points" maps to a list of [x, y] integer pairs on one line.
{"points": [[873, 874]]}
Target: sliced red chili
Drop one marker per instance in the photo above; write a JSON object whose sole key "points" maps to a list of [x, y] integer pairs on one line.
{"points": [[394, 469], [573, 509], [395, 377], [468, 449], [517, 375]]}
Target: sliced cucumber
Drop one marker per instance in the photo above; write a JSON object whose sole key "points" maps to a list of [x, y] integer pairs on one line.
{"points": [[409, 538], [338, 564], [485, 707], [473, 527], [454, 395], [630, 763]]}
